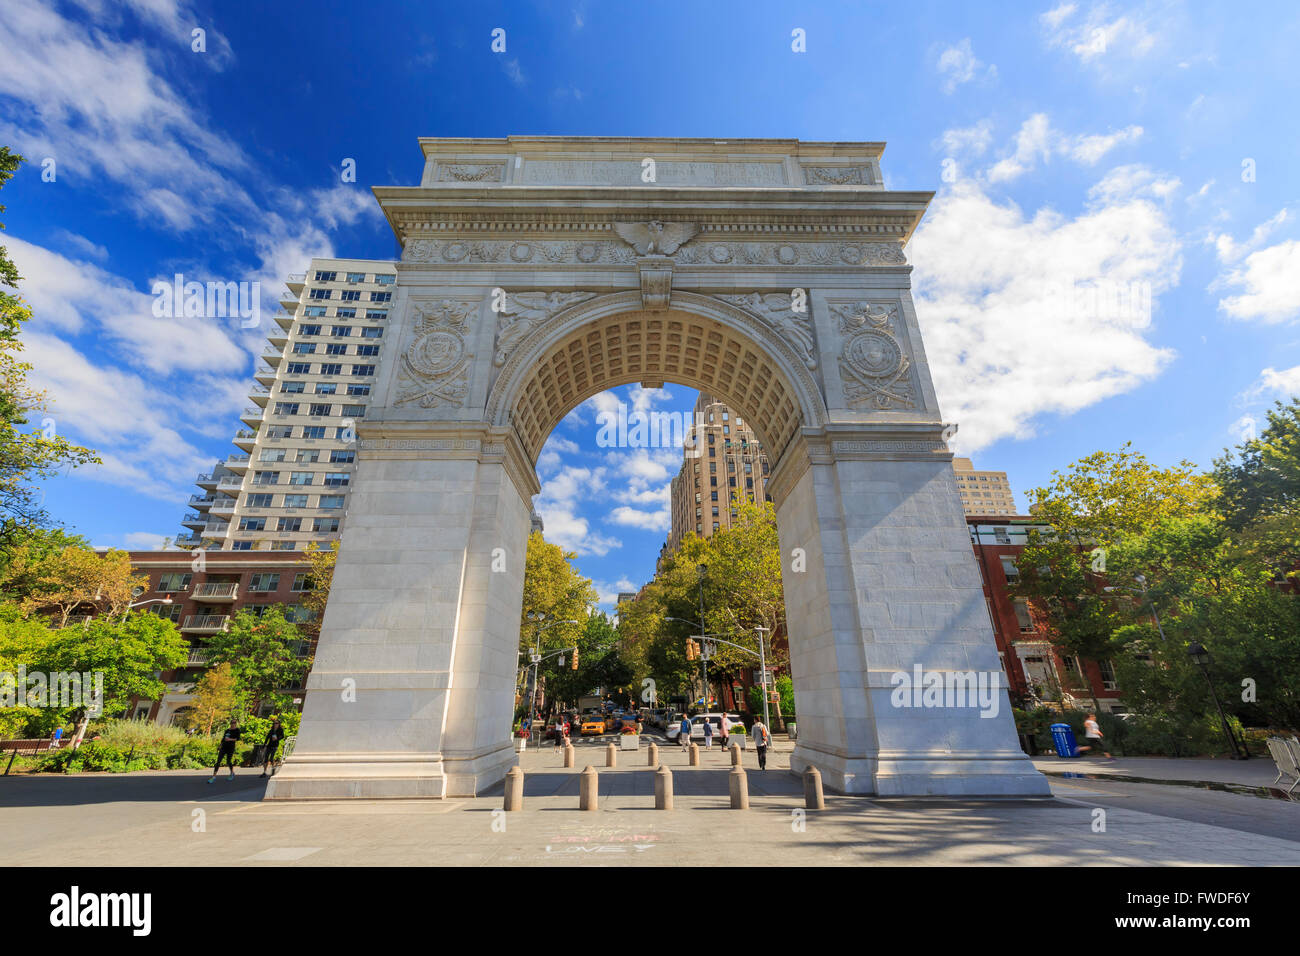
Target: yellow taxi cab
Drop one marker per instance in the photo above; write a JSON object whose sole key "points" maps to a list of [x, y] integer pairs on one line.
{"points": [[593, 724]]}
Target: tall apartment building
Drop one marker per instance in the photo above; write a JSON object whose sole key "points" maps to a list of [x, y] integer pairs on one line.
{"points": [[289, 483], [983, 492], [726, 458]]}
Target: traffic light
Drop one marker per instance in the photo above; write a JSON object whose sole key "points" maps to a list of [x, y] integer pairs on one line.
{"points": [[575, 659], [692, 649]]}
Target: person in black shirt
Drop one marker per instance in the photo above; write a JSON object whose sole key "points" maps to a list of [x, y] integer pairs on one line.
{"points": [[273, 738], [227, 749]]}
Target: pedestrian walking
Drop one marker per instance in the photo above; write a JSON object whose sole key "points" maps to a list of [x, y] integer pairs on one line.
{"points": [[273, 738], [762, 740], [684, 732], [1092, 731], [559, 732], [227, 749], [725, 728], [708, 733]]}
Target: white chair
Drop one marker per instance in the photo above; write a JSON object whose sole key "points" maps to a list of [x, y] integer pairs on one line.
{"points": [[1286, 755]]}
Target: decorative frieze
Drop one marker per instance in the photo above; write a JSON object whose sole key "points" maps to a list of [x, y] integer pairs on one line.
{"points": [[837, 175], [656, 238], [471, 173], [435, 369], [605, 252]]}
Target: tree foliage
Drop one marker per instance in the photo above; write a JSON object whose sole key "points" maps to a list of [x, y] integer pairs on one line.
{"points": [[262, 651]]}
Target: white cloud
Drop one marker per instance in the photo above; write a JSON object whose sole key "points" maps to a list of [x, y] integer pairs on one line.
{"points": [[1037, 141], [148, 541], [1008, 340], [563, 496], [1098, 33], [1274, 383], [969, 140], [1133, 181], [958, 64], [1267, 280]]}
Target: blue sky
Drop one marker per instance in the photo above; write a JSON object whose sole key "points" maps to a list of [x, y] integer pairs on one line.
{"points": [[1079, 152]]}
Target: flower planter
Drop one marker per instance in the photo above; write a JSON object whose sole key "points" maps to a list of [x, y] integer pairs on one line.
{"points": [[629, 742]]}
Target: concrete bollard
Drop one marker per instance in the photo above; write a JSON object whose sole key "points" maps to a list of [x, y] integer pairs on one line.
{"points": [[735, 755], [812, 790], [652, 755], [611, 755], [663, 789], [568, 755], [738, 784], [588, 781], [693, 751], [514, 789]]}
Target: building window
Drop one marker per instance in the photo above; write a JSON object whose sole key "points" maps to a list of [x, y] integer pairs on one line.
{"points": [[320, 409], [295, 501], [356, 277], [326, 524], [279, 431], [358, 389], [315, 312], [271, 454], [1108, 681], [289, 524], [336, 348], [175, 581], [293, 388], [331, 369], [385, 279], [363, 370], [283, 545], [1023, 617], [252, 524], [342, 457], [350, 295], [326, 388], [337, 479], [367, 349], [264, 581], [313, 431], [1009, 569], [354, 411], [377, 314], [300, 478], [304, 348], [330, 501], [286, 408], [298, 368], [266, 477], [381, 297], [326, 276], [301, 582], [341, 330], [241, 546], [372, 332], [342, 313], [258, 501], [320, 293]]}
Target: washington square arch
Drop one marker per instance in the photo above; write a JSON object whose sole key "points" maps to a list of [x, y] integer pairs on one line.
{"points": [[536, 272]]}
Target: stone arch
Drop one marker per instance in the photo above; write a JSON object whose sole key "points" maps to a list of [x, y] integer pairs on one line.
{"points": [[701, 342]]}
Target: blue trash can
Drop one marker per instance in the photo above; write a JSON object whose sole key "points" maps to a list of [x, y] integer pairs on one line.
{"points": [[1063, 737]]}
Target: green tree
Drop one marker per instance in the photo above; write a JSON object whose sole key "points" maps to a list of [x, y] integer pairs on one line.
{"points": [[218, 696], [64, 580], [553, 591], [1259, 485], [262, 650]]}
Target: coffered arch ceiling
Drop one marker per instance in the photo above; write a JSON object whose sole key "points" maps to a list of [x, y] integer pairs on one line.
{"points": [[700, 343]]}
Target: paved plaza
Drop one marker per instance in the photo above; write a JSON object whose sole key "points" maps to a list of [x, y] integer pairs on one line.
{"points": [[178, 819]]}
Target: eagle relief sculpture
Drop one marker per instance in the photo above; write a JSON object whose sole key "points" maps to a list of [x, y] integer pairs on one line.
{"points": [[656, 238], [434, 370]]}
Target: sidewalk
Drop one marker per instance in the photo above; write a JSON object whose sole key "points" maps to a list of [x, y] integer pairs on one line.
{"points": [[1255, 772]]}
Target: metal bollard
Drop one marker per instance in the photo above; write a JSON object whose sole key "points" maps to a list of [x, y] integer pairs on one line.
{"points": [[735, 755], [568, 755], [611, 755], [652, 755], [738, 784], [514, 789], [693, 751], [663, 789], [588, 781], [812, 790]]}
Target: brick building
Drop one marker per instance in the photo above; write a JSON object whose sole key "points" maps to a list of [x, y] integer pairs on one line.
{"points": [[1029, 657], [204, 601]]}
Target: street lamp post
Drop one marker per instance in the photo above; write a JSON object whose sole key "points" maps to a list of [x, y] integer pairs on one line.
{"points": [[762, 671], [1203, 660], [704, 658], [536, 658]]}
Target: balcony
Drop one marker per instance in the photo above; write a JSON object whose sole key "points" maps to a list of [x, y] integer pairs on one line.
{"points": [[277, 336], [198, 657], [201, 501], [237, 462], [216, 527], [272, 355], [224, 505], [186, 540], [206, 623], [245, 438], [213, 593], [205, 481], [251, 414], [289, 299], [194, 521], [230, 484]]}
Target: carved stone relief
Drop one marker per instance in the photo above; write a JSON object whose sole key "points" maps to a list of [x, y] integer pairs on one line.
{"points": [[775, 310], [873, 364], [435, 368], [524, 311], [837, 175], [465, 173]]}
